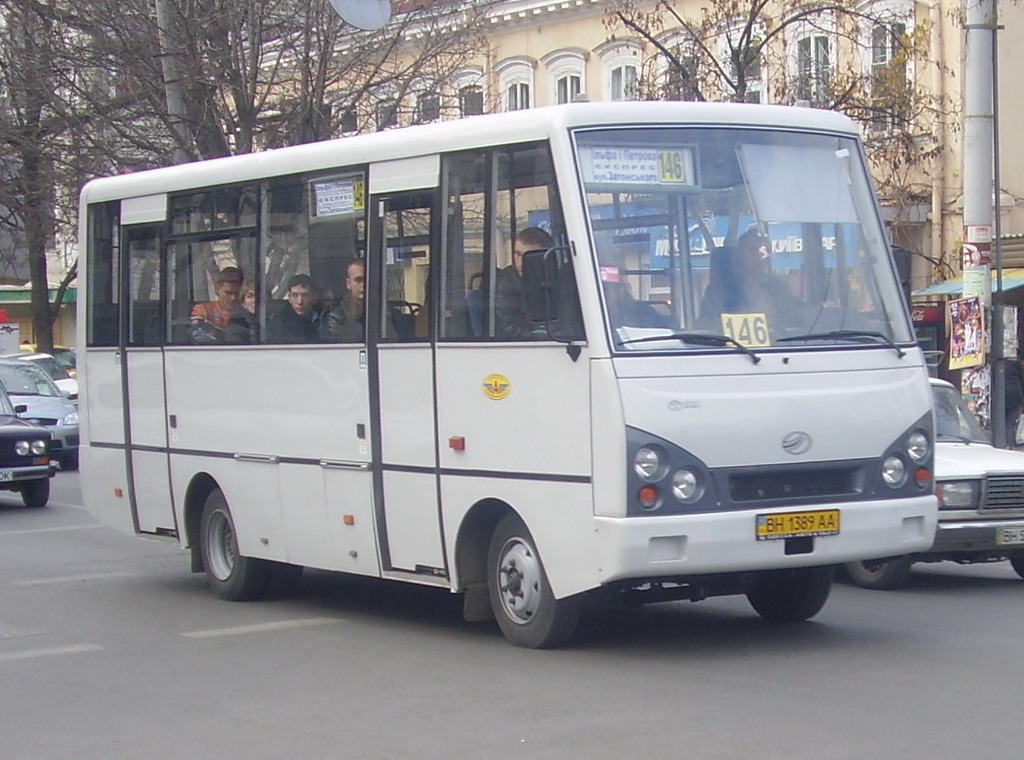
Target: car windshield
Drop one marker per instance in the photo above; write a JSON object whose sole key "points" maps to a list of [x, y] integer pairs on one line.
{"points": [[50, 366], [716, 236], [953, 419], [22, 378]]}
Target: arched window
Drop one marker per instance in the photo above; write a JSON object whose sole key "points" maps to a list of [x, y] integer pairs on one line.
{"points": [[620, 66], [812, 58], [515, 78], [887, 61], [468, 84], [566, 69]]}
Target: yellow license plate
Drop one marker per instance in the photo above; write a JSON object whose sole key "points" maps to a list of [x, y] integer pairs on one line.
{"points": [[822, 522]]}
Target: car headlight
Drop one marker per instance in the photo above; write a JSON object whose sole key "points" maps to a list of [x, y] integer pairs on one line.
{"points": [[649, 463], [70, 419], [21, 448], [957, 494], [918, 446], [686, 486], [38, 447], [894, 472]]}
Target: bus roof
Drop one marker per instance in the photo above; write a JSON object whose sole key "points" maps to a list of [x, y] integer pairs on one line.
{"points": [[459, 134]]}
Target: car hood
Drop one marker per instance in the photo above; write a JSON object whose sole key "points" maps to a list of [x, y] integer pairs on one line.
{"points": [[975, 460], [44, 406]]}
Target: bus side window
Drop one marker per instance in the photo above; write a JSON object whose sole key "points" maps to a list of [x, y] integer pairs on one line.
{"points": [[405, 314]]}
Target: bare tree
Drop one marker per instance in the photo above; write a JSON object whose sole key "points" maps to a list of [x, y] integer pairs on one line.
{"points": [[845, 55]]}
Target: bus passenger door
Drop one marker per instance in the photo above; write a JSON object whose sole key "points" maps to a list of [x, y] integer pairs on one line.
{"points": [[143, 390], [401, 249]]}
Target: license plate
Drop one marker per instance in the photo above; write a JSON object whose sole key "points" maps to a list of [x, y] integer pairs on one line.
{"points": [[822, 522], [1010, 534], [6, 475]]}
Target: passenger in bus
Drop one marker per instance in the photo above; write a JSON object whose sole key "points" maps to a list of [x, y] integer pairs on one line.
{"points": [[741, 282], [346, 322], [249, 297], [294, 322], [510, 315], [209, 320], [626, 311]]}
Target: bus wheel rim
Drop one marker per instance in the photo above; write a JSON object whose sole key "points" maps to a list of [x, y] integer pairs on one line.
{"points": [[519, 581], [222, 546]]}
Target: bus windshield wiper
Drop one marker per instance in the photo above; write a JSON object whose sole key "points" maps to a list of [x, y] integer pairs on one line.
{"points": [[697, 339], [857, 336]]}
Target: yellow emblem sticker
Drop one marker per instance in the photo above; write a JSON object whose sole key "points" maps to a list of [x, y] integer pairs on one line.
{"points": [[496, 387]]}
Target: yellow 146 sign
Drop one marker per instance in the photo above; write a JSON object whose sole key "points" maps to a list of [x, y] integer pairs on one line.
{"points": [[671, 166], [749, 329]]}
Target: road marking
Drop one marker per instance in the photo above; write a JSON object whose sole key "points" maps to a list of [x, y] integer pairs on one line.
{"points": [[10, 631], [52, 652], [70, 579], [49, 530], [242, 630]]}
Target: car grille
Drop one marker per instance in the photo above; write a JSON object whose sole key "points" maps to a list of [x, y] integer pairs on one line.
{"points": [[45, 421], [1004, 493]]}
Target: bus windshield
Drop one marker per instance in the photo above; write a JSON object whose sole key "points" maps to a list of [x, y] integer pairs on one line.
{"points": [[717, 236]]}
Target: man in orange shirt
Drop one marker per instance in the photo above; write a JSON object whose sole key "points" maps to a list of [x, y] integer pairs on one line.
{"points": [[228, 287]]}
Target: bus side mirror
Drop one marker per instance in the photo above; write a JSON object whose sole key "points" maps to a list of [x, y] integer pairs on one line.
{"points": [[549, 293]]}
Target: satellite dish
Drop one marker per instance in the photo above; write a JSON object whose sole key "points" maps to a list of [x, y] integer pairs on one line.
{"points": [[363, 14]]}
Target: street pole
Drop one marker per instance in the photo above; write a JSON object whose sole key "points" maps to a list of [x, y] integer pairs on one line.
{"points": [[979, 153]]}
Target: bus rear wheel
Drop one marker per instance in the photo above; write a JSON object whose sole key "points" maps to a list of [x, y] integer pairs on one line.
{"points": [[230, 575], [791, 595], [521, 597], [880, 574]]}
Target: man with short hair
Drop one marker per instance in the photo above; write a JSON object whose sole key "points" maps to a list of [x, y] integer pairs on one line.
{"points": [[294, 322], [210, 319], [346, 322]]}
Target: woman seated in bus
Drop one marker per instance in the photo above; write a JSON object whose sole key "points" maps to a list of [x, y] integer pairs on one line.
{"points": [[741, 282], [510, 315], [209, 321]]}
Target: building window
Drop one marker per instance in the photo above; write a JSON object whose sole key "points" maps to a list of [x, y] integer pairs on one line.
{"points": [[471, 100], [813, 68], [469, 84], [620, 66], [566, 69], [889, 81], [623, 83], [428, 107], [515, 79]]}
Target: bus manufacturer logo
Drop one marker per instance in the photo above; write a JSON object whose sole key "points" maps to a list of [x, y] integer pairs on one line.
{"points": [[797, 442], [496, 387]]}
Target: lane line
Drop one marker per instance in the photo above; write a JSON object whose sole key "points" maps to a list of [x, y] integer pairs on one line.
{"points": [[71, 578], [28, 531], [52, 652], [243, 630]]}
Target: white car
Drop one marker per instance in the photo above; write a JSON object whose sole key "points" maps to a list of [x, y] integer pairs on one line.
{"points": [[54, 369], [981, 499]]}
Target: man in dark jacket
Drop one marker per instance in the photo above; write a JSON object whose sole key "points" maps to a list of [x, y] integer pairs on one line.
{"points": [[294, 323], [1014, 387]]}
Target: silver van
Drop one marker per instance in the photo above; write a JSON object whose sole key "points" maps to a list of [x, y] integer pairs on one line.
{"points": [[46, 405]]}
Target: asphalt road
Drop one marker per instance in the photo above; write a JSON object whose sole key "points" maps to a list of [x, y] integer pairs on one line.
{"points": [[110, 648]]}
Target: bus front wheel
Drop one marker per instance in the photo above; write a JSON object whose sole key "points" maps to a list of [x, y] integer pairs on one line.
{"points": [[230, 575], [521, 598], [791, 595]]}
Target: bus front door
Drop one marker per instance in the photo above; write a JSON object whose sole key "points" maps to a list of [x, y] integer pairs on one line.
{"points": [[142, 370], [405, 450]]}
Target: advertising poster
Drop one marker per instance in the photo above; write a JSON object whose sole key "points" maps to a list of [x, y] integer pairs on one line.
{"points": [[966, 333], [975, 384]]}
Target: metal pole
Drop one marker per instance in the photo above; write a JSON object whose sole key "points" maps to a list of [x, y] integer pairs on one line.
{"points": [[980, 17]]}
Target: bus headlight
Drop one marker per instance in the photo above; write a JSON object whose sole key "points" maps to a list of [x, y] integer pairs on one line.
{"points": [[894, 472], [686, 486], [957, 494], [21, 448], [648, 498], [38, 447], [649, 463], [918, 446]]}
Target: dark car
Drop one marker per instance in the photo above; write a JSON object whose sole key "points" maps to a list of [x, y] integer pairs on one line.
{"points": [[24, 456]]}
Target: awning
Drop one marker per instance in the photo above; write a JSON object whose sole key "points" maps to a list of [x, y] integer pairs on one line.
{"points": [[1012, 278]]}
